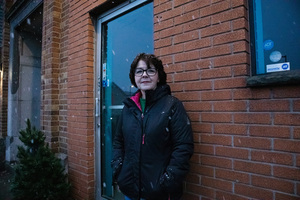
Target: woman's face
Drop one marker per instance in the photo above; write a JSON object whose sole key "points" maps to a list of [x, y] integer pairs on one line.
{"points": [[145, 82]]}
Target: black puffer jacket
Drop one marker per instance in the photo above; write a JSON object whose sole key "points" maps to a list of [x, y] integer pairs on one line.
{"points": [[151, 151]]}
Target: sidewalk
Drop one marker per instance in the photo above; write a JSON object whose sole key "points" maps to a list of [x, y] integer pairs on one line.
{"points": [[5, 180]]}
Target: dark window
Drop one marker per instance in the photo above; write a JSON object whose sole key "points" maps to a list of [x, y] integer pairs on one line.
{"points": [[275, 37]]}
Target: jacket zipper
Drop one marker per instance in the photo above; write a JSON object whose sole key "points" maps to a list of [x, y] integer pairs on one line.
{"points": [[143, 136], [143, 141]]}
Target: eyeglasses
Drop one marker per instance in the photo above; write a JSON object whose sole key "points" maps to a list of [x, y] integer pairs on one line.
{"points": [[149, 72]]}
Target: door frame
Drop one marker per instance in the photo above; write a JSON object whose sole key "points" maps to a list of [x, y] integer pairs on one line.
{"points": [[106, 16]]}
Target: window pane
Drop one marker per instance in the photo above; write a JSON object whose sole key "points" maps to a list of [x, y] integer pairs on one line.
{"points": [[277, 30]]}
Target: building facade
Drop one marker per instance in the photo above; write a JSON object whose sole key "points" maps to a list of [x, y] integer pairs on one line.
{"points": [[65, 66]]}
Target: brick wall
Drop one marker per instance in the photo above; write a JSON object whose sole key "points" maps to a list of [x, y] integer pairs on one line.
{"points": [[80, 99], [246, 139], [51, 69]]}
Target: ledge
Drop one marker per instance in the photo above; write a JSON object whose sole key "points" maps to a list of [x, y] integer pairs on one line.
{"points": [[275, 78]]}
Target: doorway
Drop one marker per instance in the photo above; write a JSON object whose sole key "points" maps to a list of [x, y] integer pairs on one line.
{"points": [[122, 34]]}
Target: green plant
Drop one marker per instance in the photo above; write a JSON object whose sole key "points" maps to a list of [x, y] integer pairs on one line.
{"points": [[38, 174]]}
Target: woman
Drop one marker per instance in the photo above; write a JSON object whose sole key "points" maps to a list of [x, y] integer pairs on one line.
{"points": [[153, 142]]}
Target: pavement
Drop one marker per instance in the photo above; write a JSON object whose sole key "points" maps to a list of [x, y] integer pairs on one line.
{"points": [[6, 177]]}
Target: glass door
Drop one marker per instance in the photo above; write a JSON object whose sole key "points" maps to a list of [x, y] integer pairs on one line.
{"points": [[124, 33]]}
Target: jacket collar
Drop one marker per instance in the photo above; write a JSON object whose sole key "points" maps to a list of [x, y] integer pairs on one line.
{"points": [[151, 96]]}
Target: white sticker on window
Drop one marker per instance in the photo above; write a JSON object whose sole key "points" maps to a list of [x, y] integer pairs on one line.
{"points": [[275, 56], [278, 67]]}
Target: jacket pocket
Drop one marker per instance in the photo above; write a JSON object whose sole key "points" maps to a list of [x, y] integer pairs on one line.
{"points": [[125, 179]]}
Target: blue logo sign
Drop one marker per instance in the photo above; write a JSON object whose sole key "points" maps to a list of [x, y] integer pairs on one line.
{"points": [[268, 44], [285, 66]]}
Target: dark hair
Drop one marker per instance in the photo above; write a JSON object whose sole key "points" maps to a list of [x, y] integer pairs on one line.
{"points": [[149, 59]]}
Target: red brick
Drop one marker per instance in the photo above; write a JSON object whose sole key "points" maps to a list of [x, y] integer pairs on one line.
{"points": [[252, 167], [241, 46], [199, 65], [216, 139], [204, 149], [292, 91], [230, 37], [252, 118], [176, 87], [236, 3], [202, 170], [215, 95], [171, 12], [216, 117], [215, 29], [235, 59], [200, 190], [290, 173], [296, 105], [187, 76], [233, 176], [231, 196], [171, 31], [163, 7], [215, 8], [162, 42], [269, 105], [287, 119], [230, 83], [272, 157], [232, 129], [202, 127], [216, 73], [229, 15], [198, 106], [163, 25], [189, 36], [172, 68], [292, 146], [252, 142], [232, 152], [197, 44], [186, 56], [196, 24], [197, 85], [281, 196], [217, 162], [193, 178], [188, 96], [194, 5], [177, 3], [217, 183], [251, 93], [296, 133], [253, 192], [171, 49], [240, 23], [187, 17], [215, 51], [232, 106], [270, 131]]}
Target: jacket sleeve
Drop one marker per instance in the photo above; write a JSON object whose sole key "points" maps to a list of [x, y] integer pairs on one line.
{"points": [[183, 148], [118, 149]]}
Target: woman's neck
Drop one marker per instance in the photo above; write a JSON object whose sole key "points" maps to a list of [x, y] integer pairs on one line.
{"points": [[143, 94]]}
